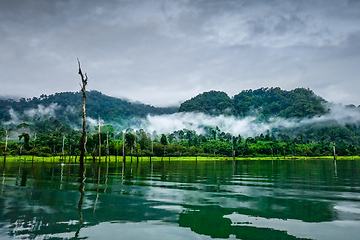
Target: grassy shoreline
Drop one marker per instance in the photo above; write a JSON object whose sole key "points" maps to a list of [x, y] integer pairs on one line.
{"points": [[71, 159]]}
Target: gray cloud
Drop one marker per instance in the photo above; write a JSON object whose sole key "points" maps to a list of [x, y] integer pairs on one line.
{"points": [[164, 52]]}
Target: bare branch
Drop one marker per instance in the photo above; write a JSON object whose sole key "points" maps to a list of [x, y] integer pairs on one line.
{"points": [[83, 137], [83, 79]]}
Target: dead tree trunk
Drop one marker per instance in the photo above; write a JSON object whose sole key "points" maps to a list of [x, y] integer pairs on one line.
{"points": [[6, 140], [137, 154], [63, 148], [233, 152], [131, 152], [124, 154], [70, 154], [84, 81], [34, 147], [107, 146], [99, 142]]}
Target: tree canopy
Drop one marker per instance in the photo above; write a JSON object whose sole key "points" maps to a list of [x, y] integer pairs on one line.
{"points": [[67, 107], [264, 102], [298, 103], [213, 103]]}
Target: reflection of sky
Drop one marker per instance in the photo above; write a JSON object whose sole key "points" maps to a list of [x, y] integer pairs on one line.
{"points": [[145, 230], [345, 230], [347, 210]]}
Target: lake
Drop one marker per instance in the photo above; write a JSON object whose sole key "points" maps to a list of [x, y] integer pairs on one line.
{"points": [[301, 199]]}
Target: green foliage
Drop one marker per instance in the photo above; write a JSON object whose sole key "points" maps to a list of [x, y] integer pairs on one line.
{"points": [[130, 140], [217, 148], [26, 140], [163, 139], [105, 129], [67, 107], [187, 142], [299, 103], [213, 103], [266, 102], [144, 141]]}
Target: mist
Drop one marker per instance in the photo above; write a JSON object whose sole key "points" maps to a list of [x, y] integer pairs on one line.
{"points": [[14, 118], [248, 126], [42, 111]]}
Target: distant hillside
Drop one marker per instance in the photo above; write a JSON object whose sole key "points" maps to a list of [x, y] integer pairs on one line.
{"points": [[67, 106], [266, 102], [213, 102], [299, 102]]}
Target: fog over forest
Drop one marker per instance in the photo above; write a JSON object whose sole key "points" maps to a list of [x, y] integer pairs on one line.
{"points": [[248, 126]]}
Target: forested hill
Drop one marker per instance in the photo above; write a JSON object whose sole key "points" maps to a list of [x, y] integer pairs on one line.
{"points": [[69, 104], [213, 102], [265, 102]]}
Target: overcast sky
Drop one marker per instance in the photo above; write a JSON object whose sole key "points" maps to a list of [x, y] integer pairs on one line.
{"points": [[164, 52]]}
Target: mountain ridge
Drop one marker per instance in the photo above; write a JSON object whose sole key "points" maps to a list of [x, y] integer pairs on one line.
{"points": [[265, 102]]}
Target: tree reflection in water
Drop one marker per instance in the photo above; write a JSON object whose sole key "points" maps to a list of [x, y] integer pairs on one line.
{"points": [[97, 188], [82, 179], [3, 178]]}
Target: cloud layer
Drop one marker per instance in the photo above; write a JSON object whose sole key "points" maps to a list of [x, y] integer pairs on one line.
{"points": [[164, 52]]}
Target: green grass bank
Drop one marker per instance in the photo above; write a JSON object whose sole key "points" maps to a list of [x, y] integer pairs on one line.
{"points": [[73, 159]]}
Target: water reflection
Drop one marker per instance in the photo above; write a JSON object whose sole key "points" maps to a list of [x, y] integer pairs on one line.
{"points": [[3, 177], [97, 188], [82, 178], [233, 199], [216, 223], [335, 168]]}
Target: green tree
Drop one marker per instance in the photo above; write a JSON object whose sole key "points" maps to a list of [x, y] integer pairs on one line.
{"points": [[163, 139], [129, 140], [143, 141], [26, 140]]}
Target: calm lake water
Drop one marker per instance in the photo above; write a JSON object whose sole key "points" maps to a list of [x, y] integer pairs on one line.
{"points": [[302, 199]]}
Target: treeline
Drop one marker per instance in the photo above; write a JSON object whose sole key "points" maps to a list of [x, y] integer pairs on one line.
{"points": [[51, 138]]}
